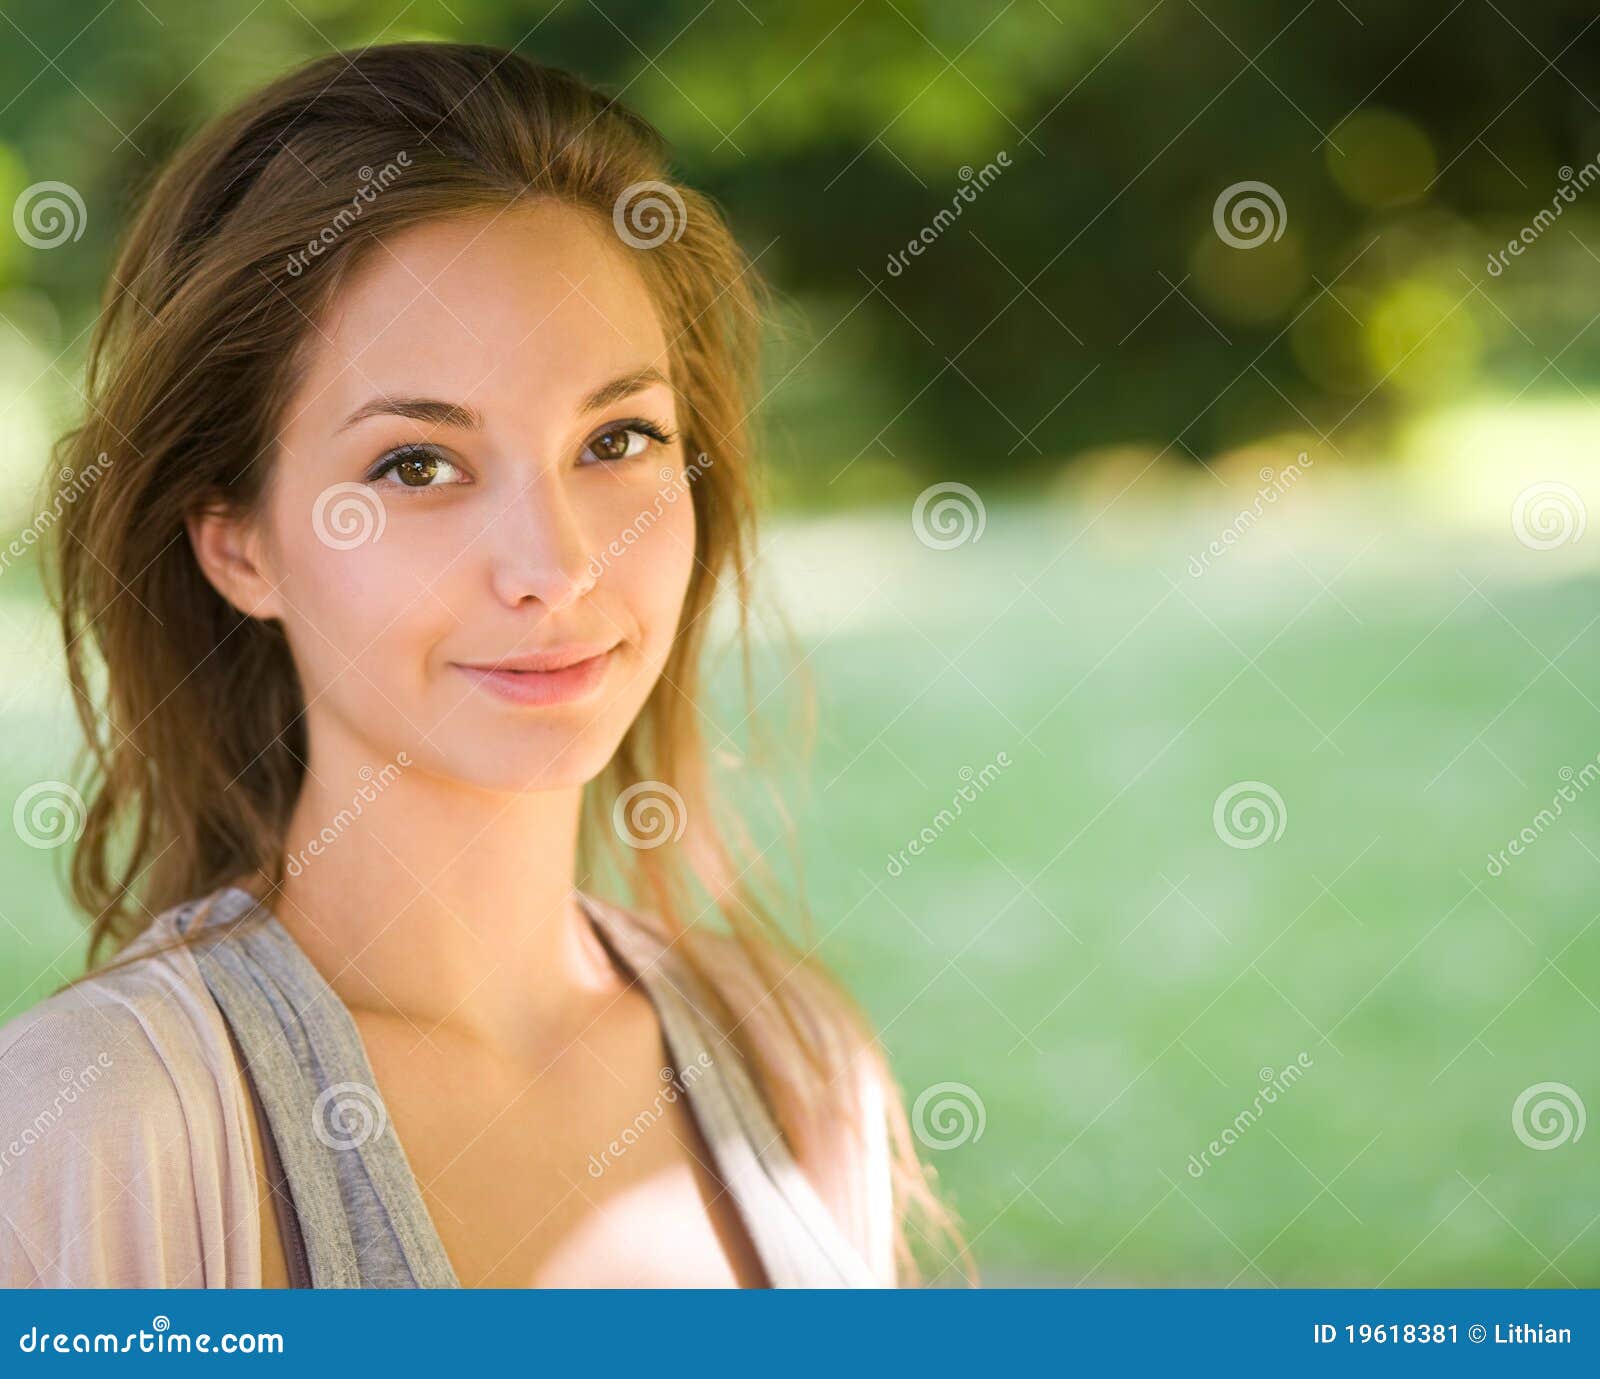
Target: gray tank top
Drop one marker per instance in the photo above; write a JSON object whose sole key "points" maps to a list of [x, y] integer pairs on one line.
{"points": [[358, 1219]]}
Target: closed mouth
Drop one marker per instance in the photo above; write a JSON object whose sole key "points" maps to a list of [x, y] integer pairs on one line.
{"points": [[573, 674], [540, 662]]}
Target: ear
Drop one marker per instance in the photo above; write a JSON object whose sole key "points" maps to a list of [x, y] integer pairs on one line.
{"points": [[228, 548]]}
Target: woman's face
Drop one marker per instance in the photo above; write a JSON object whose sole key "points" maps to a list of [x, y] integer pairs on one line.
{"points": [[481, 465]]}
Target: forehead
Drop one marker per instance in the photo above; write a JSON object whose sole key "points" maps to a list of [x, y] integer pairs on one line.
{"points": [[495, 306]]}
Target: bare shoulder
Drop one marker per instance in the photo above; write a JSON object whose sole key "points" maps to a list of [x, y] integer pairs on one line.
{"points": [[120, 1134], [806, 1032]]}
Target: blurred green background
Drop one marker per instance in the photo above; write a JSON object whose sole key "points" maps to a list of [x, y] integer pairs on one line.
{"points": [[1288, 500]]}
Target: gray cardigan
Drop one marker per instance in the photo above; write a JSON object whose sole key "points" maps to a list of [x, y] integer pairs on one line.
{"points": [[126, 1158]]}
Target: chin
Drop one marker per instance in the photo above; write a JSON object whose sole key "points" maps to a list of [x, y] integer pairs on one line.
{"points": [[509, 763]]}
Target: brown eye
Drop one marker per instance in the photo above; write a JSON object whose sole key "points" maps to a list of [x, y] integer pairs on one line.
{"points": [[624, 440], [612, 445], [417, 471]]}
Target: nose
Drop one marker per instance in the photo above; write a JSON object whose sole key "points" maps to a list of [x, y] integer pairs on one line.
{"points": [[539, 549]]}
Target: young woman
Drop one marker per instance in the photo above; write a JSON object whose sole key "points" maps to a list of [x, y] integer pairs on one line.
{"points": [[416, 450]]}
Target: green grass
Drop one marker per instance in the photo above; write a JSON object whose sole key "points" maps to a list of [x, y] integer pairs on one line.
{"points": [[1083, 951]]}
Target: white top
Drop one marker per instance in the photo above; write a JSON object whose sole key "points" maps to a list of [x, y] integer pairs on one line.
{"points": [[126, 1158]]}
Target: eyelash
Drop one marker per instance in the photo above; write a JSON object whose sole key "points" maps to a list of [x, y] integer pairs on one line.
{"points": [[390, 460]]}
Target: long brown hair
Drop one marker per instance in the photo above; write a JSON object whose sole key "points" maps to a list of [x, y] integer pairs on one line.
{"points": [[240, 243]]}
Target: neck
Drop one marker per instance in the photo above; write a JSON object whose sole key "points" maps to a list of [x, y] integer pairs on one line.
{"points": [[447, 906]]}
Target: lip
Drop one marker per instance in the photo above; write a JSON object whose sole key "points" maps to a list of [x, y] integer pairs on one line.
{"points": [[560, 675]]}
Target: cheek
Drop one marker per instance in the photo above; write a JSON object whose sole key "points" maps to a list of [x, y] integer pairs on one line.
{"points": [[649, 567], [357, 586], [367, 593]]}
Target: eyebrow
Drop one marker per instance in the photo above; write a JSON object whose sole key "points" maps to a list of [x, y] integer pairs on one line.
{"points": [[438, 413]]}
